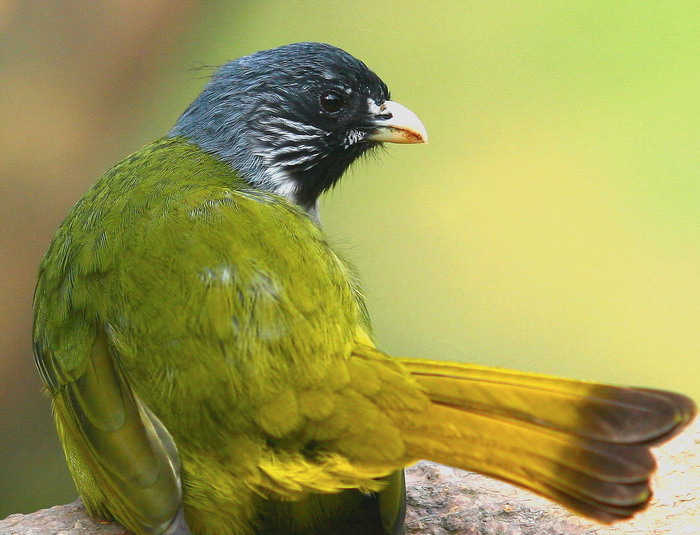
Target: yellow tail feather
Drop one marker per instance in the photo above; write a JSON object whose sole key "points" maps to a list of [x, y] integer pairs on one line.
{"points": [[581, 444]]}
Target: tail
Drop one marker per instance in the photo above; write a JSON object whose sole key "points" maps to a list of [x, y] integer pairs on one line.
{"points": [[583, 445]]}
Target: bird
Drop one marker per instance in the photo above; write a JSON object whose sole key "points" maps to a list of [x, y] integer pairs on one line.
{"points": [[209, 354]]}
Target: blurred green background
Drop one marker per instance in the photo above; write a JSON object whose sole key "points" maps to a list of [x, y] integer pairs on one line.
{"points": [[552, 224]]}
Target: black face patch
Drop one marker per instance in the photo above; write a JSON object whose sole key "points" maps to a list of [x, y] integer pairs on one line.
{"points": [[314, 119]]}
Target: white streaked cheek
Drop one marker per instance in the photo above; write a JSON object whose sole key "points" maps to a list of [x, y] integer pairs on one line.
{"points": [[279, 133], [297, 127], [302, 149], [352, 137]]}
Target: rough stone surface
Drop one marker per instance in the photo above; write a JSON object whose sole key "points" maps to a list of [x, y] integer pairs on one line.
{"points": [[445, 501], [71, 519]]}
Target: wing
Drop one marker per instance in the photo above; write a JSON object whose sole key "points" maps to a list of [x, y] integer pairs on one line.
{"points": [[123, 447], [122, 458]]}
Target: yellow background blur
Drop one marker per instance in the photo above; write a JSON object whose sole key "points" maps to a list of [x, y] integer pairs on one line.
{"points": [[552, 224]]}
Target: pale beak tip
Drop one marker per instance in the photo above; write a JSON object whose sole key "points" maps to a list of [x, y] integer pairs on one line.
{"points": [[404, 126]]}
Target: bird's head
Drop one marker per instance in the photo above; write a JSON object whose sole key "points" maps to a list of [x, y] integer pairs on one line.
{"points": [[292, 119]]}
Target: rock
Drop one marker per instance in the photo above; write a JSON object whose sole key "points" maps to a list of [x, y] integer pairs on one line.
{"points": [[71, 519]]}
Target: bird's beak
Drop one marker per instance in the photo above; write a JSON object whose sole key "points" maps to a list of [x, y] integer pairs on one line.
{"points": [[395, 123]]}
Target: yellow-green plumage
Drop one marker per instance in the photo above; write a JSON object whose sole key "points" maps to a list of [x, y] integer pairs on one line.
{"points": [[210, 323], [208, 354]]}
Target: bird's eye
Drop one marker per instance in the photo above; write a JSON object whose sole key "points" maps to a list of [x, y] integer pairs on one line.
{"points": [[331, 101]]}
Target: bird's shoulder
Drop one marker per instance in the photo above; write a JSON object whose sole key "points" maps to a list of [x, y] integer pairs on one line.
{"points": [[171, 198]]}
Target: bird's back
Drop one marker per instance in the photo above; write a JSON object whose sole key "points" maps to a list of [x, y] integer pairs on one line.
{"points": [[214, 298]]}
